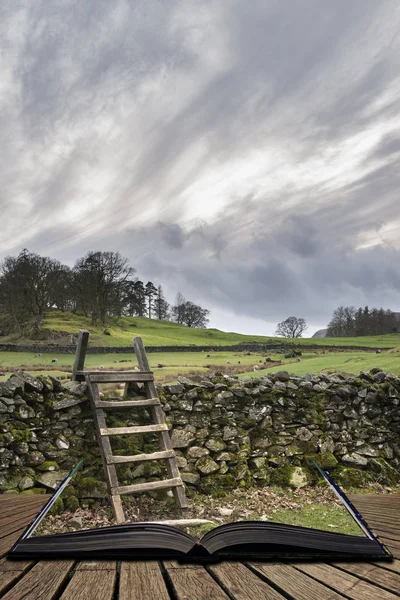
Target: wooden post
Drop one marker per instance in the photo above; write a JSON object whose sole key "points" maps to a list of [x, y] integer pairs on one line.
{"points": [[80, 354]]}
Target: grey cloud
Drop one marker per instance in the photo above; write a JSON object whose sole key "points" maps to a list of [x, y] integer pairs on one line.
{"points": [[95, 115]]}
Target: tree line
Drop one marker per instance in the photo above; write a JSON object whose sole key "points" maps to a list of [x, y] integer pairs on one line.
{"points": [[348, 321], [99, 285]]}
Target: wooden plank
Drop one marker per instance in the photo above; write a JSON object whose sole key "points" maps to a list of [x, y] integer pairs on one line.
{"points": [[146, 487], [43, 581], [159, 417], [113, 460], [128, 403], [194, 582], [243, 583], [344, 583], [17, 521], [88, 584], [80, 353], [142, 581], [373, 574], [11, 571], [96, 565], [8, 541], [292, 582], [393, 565], [105, 450], [120, 376], [133, 430]]}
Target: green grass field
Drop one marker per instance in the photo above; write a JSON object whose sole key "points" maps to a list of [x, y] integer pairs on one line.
{"points": [[345, 362], [165, 333]]}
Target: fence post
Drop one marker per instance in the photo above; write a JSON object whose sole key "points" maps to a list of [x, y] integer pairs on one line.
{"points": [[80, 354]]}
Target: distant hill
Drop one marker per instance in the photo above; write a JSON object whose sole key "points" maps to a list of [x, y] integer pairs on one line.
{"points": [[321, 333]]}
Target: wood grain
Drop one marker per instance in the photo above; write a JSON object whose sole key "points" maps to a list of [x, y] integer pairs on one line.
{"points": [[298, 585], [193, 582], [142, 581], [42, 581], [243, 583], [344, 583]]}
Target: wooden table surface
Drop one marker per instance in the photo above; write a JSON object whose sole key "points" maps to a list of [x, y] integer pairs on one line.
{"points": [[81, 580]]}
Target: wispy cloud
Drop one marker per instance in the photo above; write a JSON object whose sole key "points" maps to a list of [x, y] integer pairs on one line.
{"points": [[244, 153]]}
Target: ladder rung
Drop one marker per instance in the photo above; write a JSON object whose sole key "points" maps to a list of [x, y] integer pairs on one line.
{"points": [[127, 403], [138, 429], [144, 487], [117, 376], [113, 460]]}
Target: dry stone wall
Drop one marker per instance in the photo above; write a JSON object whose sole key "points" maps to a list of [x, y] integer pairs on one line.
{"points": [[226, 432]]}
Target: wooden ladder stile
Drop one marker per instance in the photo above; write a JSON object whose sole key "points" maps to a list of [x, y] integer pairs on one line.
{"points": [[103, 432]]}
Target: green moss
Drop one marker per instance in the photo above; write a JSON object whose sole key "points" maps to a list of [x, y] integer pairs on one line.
{"points": [[217, 485], [21, 435], [72, 503], [34, 490], [350, 477], [89, 484], [281, 476], [326, 460], [385, 474], [58, 507], [47, 464]]}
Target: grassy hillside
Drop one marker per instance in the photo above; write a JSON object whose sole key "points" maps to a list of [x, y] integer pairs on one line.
{"points": [[345, 362], [165, 333]]}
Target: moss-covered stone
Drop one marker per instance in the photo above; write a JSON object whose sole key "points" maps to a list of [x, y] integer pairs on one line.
{"points": [[325, 460], [58, 507], [349, 477], [35, 490], [48, 465], [72, 503], [217, 485]]}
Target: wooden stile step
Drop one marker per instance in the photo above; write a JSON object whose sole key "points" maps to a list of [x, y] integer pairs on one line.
{"points": [[138, 429], [147, 487], [127, 403], [119, 376], [114, 460]]}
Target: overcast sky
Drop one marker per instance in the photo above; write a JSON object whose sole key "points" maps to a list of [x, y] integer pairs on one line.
{"points": [[245, 153]]}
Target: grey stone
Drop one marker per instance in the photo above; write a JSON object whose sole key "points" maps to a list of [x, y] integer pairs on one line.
{"points": [[35, 458], [282, 376], [182, 438], [75, 522], [26, 483], [20, 447], [279, 386], [355, 459], [206, 465], [51, 479], [176, 388], [229, 433], [66, 403], [304, 434], [75, 388], [62, 443], [192, 478], [197, 452], [215, 444]]}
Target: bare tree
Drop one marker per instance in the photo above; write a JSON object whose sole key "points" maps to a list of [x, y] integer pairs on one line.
{"points": [[178, 309], [28, 287], [292, 327], [100, 283]]}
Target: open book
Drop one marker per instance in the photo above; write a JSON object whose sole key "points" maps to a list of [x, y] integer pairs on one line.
{"points": [[244, 540]]}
